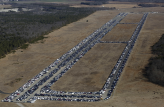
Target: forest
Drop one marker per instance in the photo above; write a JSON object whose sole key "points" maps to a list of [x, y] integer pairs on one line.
{"points": [[154, 71], [19, 28]]}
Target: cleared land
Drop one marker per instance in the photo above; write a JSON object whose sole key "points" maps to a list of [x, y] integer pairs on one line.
{"points": [[121, 32], [91, 72]]}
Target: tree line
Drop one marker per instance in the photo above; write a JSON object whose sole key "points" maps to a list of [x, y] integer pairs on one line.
{"points": [[154, 71]]}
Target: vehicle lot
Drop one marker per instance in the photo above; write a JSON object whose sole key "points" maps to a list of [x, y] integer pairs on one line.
{"points": [[133, 90], [138, 94], [67, 60], [60, 66], [121, 32], [91, 72]]}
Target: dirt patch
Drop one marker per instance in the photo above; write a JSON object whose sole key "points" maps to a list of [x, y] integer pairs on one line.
{"points": [[121, 32], [91, 72]]}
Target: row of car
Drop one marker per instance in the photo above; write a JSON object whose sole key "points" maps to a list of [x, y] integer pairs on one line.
{"points": [[126, 52], [113, 42], [68, 99], [72, 93], [70, 96], [128, 23]]}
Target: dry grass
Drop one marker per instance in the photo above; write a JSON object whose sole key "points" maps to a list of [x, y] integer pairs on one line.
{"points": [[121, 32], [132, 18], [91, 72]]}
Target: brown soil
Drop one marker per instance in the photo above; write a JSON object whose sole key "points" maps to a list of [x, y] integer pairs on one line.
{"points": [[92, 70], [121, 32]]}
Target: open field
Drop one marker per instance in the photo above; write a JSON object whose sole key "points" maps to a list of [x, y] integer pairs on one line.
{"points": [[90, 73], [133, 90], [121, 32], [132, 18]]}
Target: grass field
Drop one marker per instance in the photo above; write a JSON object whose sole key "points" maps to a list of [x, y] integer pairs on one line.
{"points": [[121, 32], [132, 18]]}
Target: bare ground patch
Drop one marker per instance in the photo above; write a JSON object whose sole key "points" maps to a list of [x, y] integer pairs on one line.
{"points": [[121, 32], [91, 72]]}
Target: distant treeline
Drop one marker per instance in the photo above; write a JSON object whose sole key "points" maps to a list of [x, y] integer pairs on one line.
{"points": [[148, 5], [91, 3], [100, 2], [154, 71], [18, 28], [151, 1], [95, 2]]}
